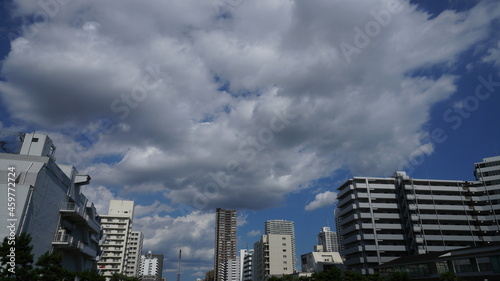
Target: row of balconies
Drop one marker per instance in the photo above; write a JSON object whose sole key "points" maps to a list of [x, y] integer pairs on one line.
{"points": [[68, 242]]}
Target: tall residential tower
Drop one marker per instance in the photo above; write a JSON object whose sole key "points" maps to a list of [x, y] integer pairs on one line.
{"points": [[225, 244]]}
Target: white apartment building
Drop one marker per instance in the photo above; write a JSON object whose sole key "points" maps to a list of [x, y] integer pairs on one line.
{"points": [[273, 256], [151, 267], [328, 239], [134, 250], [49, 204], [117, 227], [380, 219], [232, 269], [320, 260], [283, 227], [246, 264]]}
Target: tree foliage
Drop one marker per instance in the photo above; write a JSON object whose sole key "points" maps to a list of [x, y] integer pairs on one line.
{"points": [[399, 276], [449, 276], [122, 277]]}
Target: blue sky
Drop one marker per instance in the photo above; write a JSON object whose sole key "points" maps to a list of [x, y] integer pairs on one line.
{"points": [[261, 106]]}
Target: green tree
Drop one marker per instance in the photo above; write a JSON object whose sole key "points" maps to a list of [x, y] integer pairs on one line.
{"points": [[49, 268], [23, 269], [122, 277], [449, 276], [399, 276], [375, 277], [354, 276], [90, 275], [332, 274]]}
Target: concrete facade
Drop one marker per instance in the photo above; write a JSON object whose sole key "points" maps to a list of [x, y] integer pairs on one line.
{"points": [[283, 227], [381, 219], [134, 250], [151, 267], [319, 261], [273, 256], [328, 239], [246, 265], [49, 204], [233, 269]]}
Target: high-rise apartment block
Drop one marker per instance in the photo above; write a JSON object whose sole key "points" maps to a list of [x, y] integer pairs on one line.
{"points": [[225, 244], [246, 265], [283, 227], [273, 256], [381, 219], [134, 250], [151, 267], [49, 205], [115, 246], [328, 239]]}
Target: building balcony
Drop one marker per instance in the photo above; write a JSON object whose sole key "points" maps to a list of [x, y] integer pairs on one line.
{"points": [[88, 250], [112, 226], [71, 211], [65, 241], [76, 214]]}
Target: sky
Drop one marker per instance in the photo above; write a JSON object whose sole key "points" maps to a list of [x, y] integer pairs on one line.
{"points": [[265, 107]]}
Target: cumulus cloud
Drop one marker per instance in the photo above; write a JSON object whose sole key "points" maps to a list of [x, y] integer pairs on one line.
{"points": [[326, 198], [213, 104], [192, 233]]}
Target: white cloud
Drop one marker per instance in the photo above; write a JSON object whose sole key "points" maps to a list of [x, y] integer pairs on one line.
{"points": [[493, 55], [324, 199], [192, 233], [254, 233], [100, 196], [238, 105]]}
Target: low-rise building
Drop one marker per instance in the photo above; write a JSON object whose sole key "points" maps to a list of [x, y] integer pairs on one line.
{"points": [[319, 260]]}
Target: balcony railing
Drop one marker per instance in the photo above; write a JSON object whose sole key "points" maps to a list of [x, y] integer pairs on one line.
{"points": [[65, 240]]}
